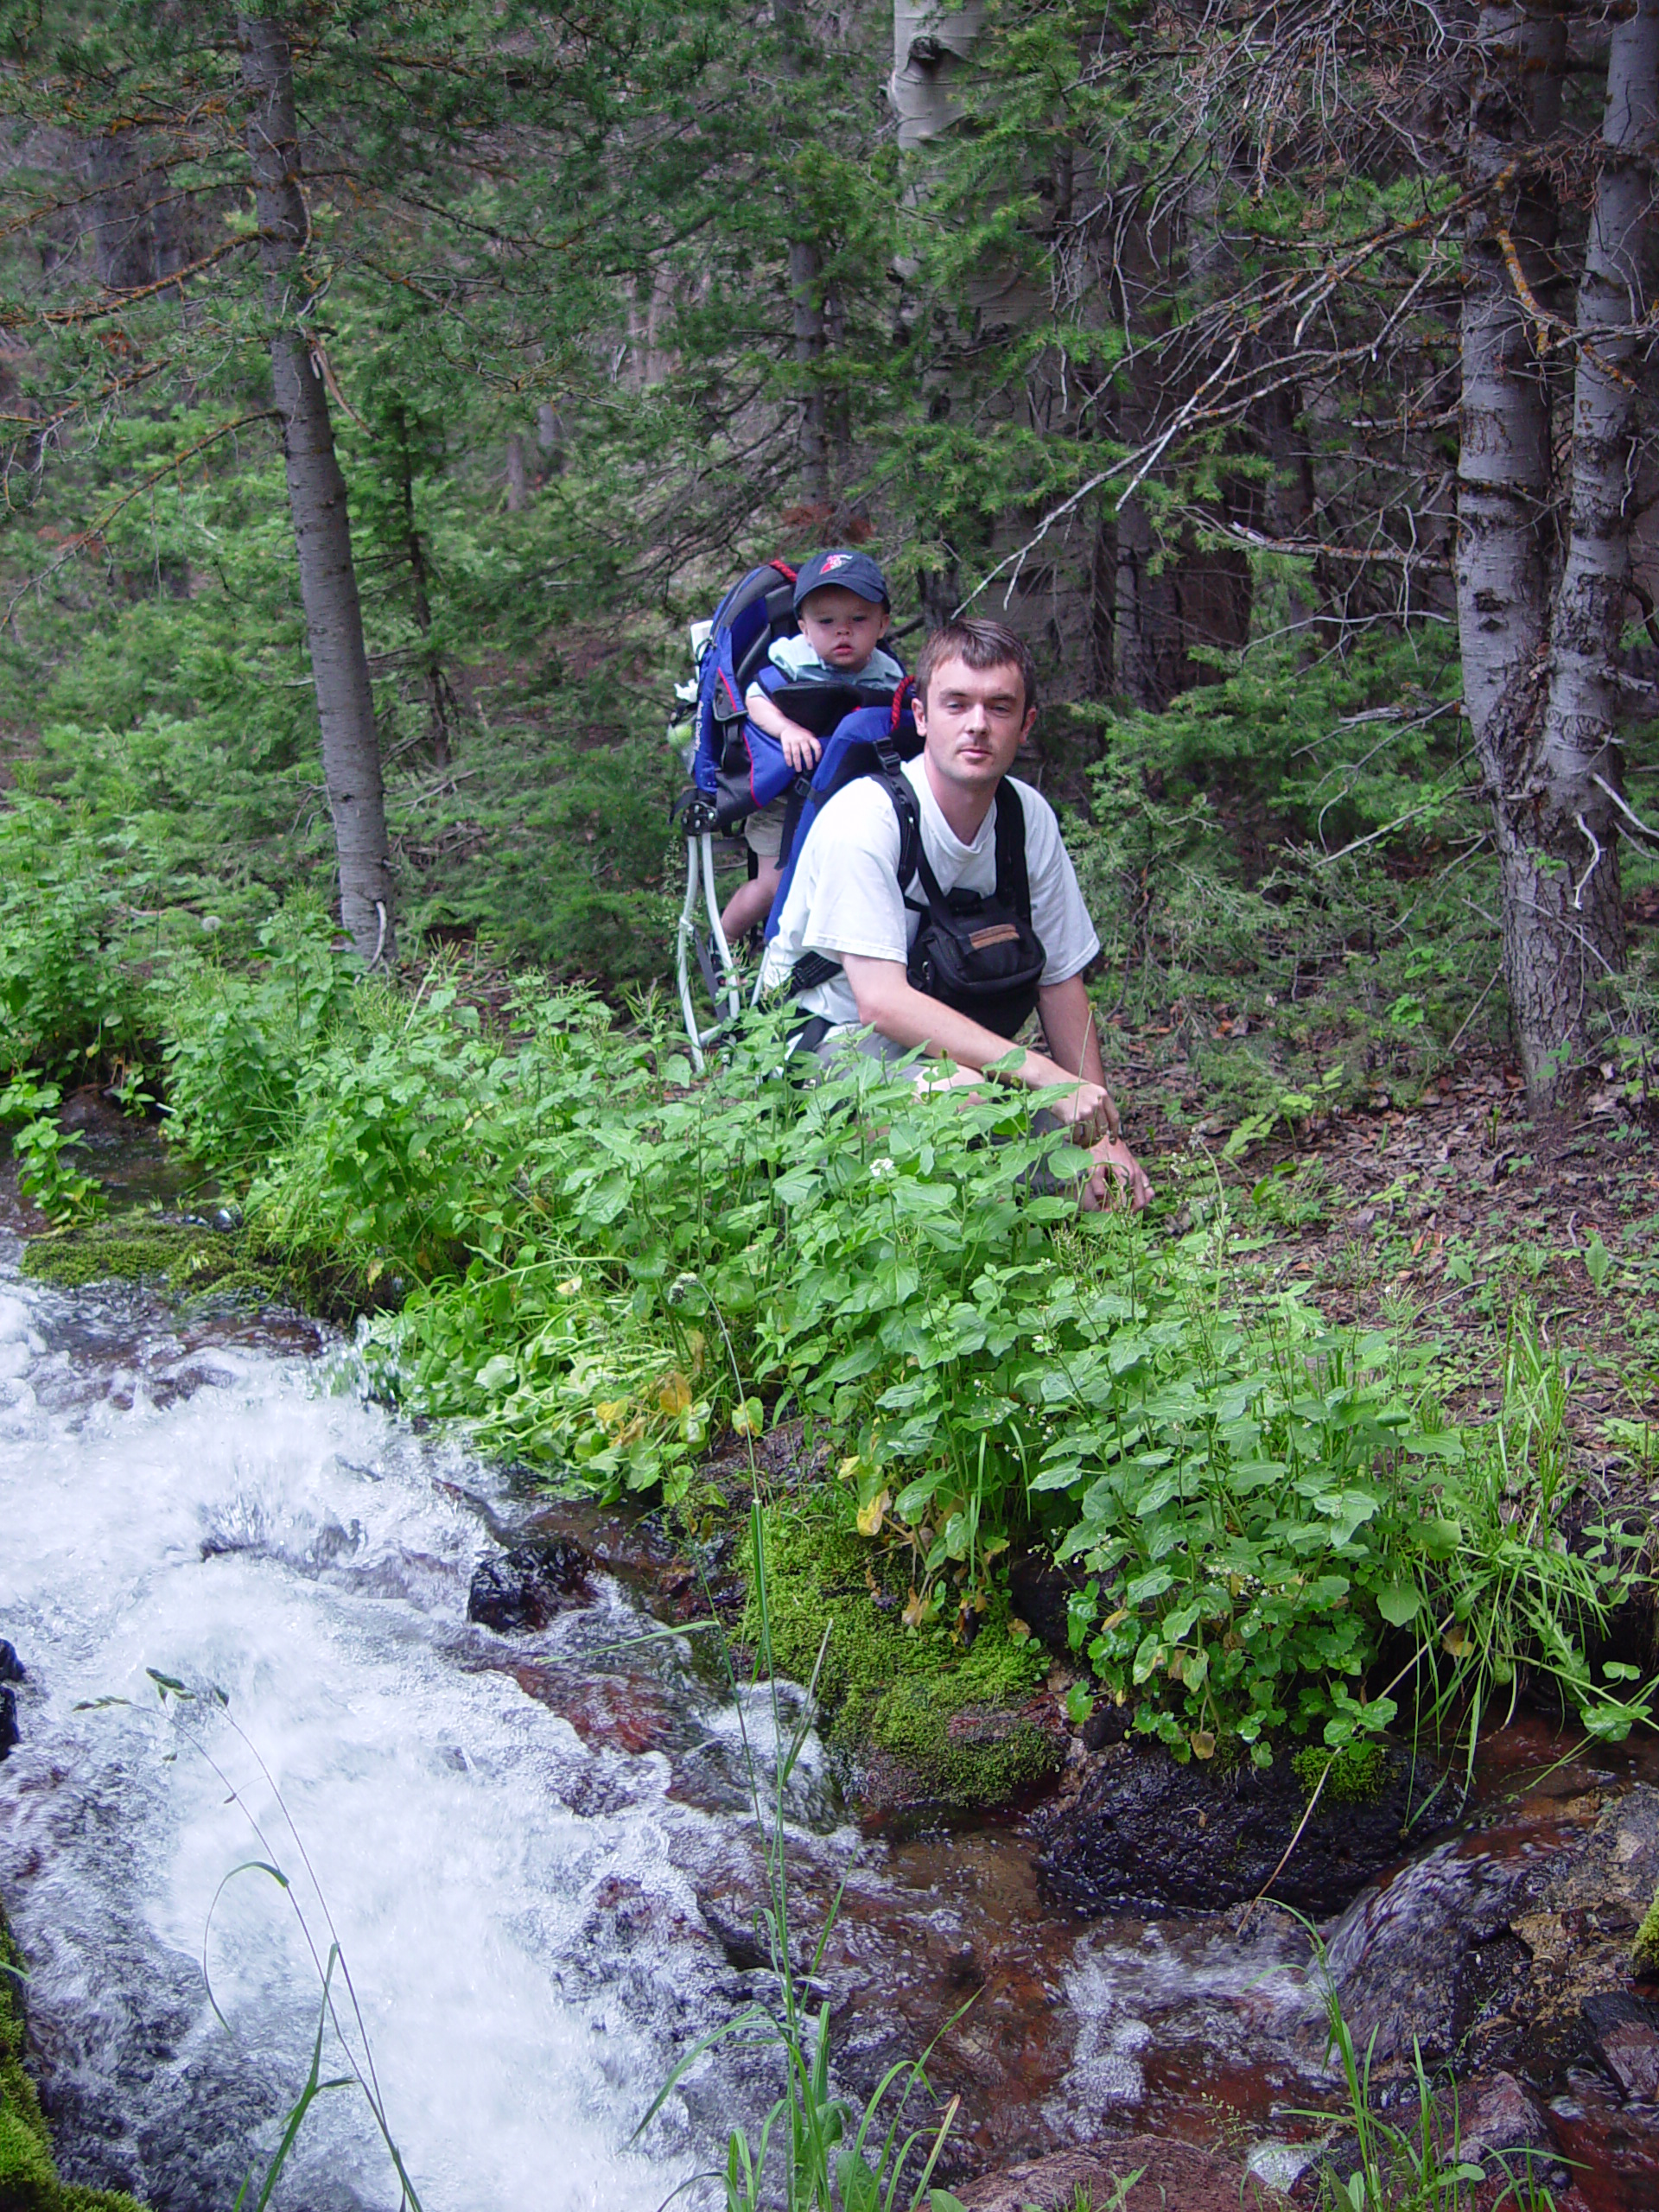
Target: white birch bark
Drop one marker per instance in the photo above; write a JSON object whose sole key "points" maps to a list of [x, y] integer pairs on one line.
{"points": [[1564, 934], [316, 499]]}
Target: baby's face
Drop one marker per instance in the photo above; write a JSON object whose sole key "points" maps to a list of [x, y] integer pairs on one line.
{"points": [[842, 629]]}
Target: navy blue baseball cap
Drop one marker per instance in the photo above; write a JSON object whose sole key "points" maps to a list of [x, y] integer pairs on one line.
{"points": [[854, 572]]}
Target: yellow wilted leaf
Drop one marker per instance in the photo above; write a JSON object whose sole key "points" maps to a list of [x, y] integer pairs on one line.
{"points": [[376, 1269], [611, 1413], [1454, 1642], [1115, 1620], [870, 1517], [569, 1286], [695, 1344], [1018, 1631], [1203, 1742], [848, 1467], [674, 1393], [749, 1417], [917, 1610]]}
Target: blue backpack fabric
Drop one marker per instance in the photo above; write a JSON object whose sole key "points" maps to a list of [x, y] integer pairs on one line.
{"points": [[735, 766], [758, 609], [871, 742]]}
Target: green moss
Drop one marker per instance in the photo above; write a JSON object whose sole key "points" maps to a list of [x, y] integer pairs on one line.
{"points": [[1644, 1951], [950, 1712], [1358, 1772], [29, 2180], [136, 1248]]}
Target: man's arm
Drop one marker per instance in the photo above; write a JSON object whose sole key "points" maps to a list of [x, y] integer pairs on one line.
{"points": [[889, 1002], [801, 749], [1069, 1025]]}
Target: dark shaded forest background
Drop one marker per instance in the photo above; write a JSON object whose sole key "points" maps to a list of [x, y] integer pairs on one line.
{"points": [[1283, 372]]}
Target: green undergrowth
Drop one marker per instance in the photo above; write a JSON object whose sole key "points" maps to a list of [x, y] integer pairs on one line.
{"points": [[29, 2179], [1357, 1774], [946, 1707], [178, 1256], [598, 1265]]}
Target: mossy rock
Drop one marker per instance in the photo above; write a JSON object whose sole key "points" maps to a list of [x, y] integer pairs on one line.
{"points": [[1357, 1774], [29, 2179], [181, 1257], [1644, 1951], [967, 1723]]}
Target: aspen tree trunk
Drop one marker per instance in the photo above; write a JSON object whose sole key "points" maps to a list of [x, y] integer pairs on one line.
{"points": [[517, 476], [1503, 554], [1564, 930], [316, 499]]}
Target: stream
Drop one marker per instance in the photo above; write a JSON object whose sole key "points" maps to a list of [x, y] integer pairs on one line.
{"points": [[536, 1853]]}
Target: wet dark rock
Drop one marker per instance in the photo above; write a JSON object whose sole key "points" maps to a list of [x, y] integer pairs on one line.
{"points": [[1578, 1922], [743, 1941], [1173, 2177], [1037, 1592], [1134, 1827], [9, 1734], [1400, 1954], [618, 1712], [12, 1667], [1498, 2119], [521, 1590], [1625, 2030]]}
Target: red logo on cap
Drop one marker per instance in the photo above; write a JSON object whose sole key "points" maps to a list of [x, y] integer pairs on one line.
{"points": [[834, 561]]}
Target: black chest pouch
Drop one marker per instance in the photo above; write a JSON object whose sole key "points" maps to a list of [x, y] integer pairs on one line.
{"points": [[976, 950]]}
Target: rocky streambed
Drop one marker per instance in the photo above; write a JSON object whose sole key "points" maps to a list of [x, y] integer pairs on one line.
{"points": [[454, 1720]]}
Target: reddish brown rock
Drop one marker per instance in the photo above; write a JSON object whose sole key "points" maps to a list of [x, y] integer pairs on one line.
{"points": [[1173, 2178]]}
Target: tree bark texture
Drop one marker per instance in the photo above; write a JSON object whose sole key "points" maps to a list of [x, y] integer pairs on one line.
{"points": [[123, 244], [518, 474], [316, 499], [1569, 933], [1540, 617]]}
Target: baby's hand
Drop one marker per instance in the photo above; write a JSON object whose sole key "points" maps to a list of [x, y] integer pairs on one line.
{"points": [[801, 749]]}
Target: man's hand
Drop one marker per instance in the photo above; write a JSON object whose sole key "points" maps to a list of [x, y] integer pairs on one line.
{"points": [[801, 749], [1088, 1113], [1118, 1175]]}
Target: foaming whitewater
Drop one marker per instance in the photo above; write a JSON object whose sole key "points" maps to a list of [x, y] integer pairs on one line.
{"points": [[517, 1908]]}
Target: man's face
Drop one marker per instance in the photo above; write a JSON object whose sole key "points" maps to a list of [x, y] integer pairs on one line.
{"points": [[842, 629], [973, 722]]}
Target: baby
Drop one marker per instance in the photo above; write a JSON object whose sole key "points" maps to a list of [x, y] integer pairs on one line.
{"points": [[841, 602]]}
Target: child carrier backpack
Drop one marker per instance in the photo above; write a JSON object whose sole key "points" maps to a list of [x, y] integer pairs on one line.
{"points": [[976, 951], [737, 769]]}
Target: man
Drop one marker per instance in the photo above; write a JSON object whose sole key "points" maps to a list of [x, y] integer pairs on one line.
{"points": [[975, 702]]}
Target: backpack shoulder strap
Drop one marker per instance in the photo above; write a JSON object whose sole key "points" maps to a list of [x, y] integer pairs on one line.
{"points": [[1013, 876], [912, 860]]}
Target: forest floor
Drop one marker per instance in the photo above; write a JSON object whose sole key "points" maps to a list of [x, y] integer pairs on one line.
{"points": [[1447, 1212]]}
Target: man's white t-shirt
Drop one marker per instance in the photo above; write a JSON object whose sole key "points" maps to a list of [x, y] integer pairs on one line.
{"points": [[846, 898]]}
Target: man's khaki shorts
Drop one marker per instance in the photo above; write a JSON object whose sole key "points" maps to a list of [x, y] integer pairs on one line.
{"points": [[763, 832]]}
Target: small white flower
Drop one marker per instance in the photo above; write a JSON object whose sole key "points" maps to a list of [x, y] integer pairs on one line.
{"points": [[880, 1169]]}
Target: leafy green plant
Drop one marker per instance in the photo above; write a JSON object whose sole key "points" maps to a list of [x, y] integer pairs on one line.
{"points": [[46, 1153], [598, 1265]]}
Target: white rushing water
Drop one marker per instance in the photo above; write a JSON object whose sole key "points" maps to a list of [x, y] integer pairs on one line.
{"points": [[517, 1907]]}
